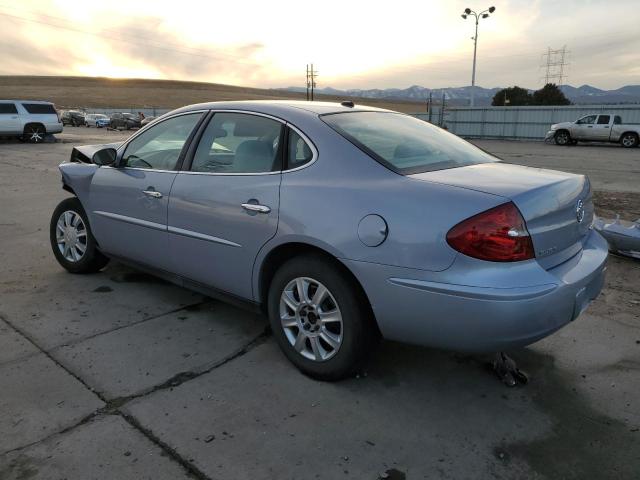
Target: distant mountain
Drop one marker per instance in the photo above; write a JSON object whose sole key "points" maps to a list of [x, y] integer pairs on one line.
{"points": [[586, 94]]}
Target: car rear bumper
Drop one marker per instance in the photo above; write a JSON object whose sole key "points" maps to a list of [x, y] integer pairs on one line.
{"points": [[53, 127], [482, 318]]}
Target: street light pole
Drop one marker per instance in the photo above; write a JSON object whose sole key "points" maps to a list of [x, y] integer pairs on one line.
{"points": [[478, 16]]}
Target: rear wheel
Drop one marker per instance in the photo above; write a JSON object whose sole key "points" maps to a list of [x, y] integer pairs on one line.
{"points": [[71, 239], [34, 133], [562, 138], [320, 319], [629, 140]]}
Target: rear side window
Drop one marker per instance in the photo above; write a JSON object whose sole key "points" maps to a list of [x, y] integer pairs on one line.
{"points": [[300, 152], [39, 108], [239, 143], [617, 120], [603, 120], [405, 144], [8, 109]]}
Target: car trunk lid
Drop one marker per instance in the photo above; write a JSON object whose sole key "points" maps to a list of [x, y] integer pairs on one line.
{"points": [[557, 206]]}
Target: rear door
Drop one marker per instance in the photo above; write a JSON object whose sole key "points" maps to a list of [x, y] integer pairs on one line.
{"points": [[602, 128], [9, 119], [224, 207], [129, 203]]}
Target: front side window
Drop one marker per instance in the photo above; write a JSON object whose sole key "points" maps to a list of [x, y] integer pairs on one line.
{"points": [[603, 120], [239, 143], [300, 152], [588, 120], [8, 109], [159, 147], [404, 144]]}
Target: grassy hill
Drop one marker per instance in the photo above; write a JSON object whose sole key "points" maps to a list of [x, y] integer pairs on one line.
{"points": [[100, 92]]}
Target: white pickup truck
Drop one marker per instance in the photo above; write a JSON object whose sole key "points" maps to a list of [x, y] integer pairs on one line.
{"points": [[604, 127]]}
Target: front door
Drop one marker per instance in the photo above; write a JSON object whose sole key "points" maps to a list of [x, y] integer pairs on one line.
{"points": [[129, 203], [583, 128], [225, 207]]}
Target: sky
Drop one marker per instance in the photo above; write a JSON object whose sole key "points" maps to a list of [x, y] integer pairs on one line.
{"points": [[352, 44]]}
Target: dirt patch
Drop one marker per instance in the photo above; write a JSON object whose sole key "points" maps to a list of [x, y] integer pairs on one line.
{"points": [[608, 204]]}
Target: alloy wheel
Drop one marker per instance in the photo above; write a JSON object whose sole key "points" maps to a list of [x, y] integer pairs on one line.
{"points": [[311, 319], [562, 138], [629, 140], [71, 236], [35, 134]]}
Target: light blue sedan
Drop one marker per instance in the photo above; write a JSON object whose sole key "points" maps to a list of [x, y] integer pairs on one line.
{"points": [[343, 224]]}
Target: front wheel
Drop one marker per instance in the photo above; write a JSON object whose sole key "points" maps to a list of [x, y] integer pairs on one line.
{"points": [[71, 239], [319, 319], [562, 138], [629, 140]]}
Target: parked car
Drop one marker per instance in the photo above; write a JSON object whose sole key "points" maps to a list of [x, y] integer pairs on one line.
{"points": [[147, 120], [604, 127], [72, 117], [125, 121], [342, 224], [97, 120], [29, 120]]}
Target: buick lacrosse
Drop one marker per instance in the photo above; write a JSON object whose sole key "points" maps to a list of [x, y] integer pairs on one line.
{"points": [[343, 224]]}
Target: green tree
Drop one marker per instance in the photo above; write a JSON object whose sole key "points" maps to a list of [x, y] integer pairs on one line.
{"points": [[512, 96], [550, 94]]}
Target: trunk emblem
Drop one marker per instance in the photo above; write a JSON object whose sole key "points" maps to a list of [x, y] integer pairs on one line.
{"points": [[580, 211]]}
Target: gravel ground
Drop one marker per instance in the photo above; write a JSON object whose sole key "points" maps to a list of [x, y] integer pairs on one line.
{"points": [[121, 375]]}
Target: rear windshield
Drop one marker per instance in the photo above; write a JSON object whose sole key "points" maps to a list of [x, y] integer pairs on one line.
{"points": [[46, 108], [405, 144]]}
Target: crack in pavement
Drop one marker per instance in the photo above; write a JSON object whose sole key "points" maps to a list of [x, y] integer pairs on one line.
{"points": [[93, 335], [113, 406]]}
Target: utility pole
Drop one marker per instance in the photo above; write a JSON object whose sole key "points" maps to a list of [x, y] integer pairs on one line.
{"points": [[478, 16], [555, 65], [307, 82], [311, 81]]}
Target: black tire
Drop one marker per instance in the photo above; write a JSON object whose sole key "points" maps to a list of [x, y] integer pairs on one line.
{"points": [[359, 332], [562, 138], [629, 140], [92, 260], [34, 133]]}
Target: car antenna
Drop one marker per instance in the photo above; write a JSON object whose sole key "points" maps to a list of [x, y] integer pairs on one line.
{"points": [[347, 103]]}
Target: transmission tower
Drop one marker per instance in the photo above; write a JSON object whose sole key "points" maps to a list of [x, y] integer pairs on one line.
{"points": [[555, 63], [311, 81]]}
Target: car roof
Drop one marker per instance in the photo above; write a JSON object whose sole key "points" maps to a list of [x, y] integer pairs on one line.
{"points": [[276, 107]]}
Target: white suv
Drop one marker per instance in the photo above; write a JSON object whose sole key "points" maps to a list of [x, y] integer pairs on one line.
{"points": [[29, 120]]}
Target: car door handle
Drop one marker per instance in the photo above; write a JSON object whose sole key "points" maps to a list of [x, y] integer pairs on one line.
{"points": [[254, 207], [152, 193]]}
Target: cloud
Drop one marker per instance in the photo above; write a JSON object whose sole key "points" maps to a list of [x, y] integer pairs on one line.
{"points": [[253, 44]]}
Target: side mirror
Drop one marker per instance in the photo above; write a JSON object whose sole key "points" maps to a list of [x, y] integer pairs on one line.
{"points": [[105, 157]]}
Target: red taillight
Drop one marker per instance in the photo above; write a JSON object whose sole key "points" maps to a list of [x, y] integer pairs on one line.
{"points": [[497, 235]]}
